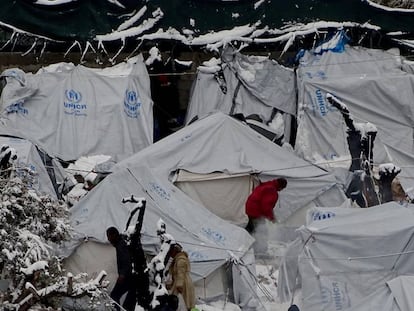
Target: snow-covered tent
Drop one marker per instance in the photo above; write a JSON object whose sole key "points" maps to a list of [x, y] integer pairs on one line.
{"points": [[374, 88], [218, 143], [353, 259], [43, 173], [241, 84], [73, 111]]}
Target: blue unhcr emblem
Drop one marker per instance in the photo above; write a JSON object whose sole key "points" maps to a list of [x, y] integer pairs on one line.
{"points": [[73, 104], [160, 191], [320, 104], [132, 103], [73, 96], [213, 235], [322, 215], [17, 108], [197, 256], [335, 297]]}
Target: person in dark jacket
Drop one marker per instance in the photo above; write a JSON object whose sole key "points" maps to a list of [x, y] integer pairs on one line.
{"points": [[262, 200], [125, 282]]}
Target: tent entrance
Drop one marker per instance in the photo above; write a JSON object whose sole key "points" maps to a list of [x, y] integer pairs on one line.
{"points": [[223, 194]]}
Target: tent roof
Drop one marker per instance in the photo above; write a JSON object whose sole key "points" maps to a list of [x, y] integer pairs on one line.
{"points": [[348, 257], [348, 75], [216, 143]]}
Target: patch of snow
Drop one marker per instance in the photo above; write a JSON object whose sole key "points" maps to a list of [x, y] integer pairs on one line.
{"points": [[192, 22], [154, 55], [132, 31], [53, 2], [365, 127], [36, 266], [395, 33], [212, 62], [117, 3], [331, 44], [235, 15], [169, 34], [409, 43], [85, 165], [223, 36], [210, 66], [258, 3], [128, 23], [278, 124], [187, 63], [386, 8], [388, 168]]}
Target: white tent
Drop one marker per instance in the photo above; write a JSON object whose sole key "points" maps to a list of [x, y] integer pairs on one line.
{"points": [[375, 89], [43, 173], [241, 84], [352, 259], [217, 143], [73, 111]]}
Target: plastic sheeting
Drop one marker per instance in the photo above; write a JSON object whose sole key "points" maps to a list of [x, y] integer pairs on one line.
{"points": [[346, 258], [73, 111], [29, 159], [375, 89], [250, 85], [216, 143], [401, 288]]}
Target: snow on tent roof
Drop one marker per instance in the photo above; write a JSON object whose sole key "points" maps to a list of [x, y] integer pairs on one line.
{"points": [[108, 110], [217, 143], [352, 259]]}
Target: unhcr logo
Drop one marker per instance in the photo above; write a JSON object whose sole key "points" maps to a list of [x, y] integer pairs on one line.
{"points": [[17, 108], [132, 104], [216, 236], [160, 191], [320, 105], [73, 103], [336, 297], [322, 215]]}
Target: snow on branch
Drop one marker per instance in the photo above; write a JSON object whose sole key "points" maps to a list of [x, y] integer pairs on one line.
{"points": [[133, 31]]}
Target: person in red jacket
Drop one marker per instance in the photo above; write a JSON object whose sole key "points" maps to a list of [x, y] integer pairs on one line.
{"points": [[262, 200]]}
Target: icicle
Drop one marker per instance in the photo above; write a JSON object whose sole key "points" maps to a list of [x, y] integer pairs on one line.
{"points": [[88, 45], [43, 48], [70, 48], [8, 41], [288, 44], [31, 48], [101, 46], [136, 49], [112, 59], [15, 41], [128, 23]]}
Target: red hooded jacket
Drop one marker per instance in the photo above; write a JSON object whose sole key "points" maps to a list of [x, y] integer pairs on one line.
{"points": [[262, 200]]}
